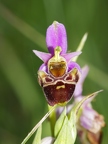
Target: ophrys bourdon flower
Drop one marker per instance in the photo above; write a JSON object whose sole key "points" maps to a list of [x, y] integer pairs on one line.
{"points": [[58, 75]]}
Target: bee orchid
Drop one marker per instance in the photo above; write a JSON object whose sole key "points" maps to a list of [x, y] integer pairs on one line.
{"points": [[58, 74]]}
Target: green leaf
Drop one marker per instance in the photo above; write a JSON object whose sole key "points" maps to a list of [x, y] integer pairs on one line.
{"points": [[65, 135], [59, 123], [37, 139], [81, 45], [72, 121]]}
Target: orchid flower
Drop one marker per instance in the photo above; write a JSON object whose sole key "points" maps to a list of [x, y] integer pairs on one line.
{"points": [[90, 122], [58, 75]]}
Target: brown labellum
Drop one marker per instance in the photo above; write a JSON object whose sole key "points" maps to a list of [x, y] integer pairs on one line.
{"points": [[59, 93], [58, 90]]}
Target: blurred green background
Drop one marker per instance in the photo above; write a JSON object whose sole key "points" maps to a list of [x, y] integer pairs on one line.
{"points": [[23, 25]]}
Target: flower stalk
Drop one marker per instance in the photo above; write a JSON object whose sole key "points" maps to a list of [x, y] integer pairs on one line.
{"points": [[52, 119]]}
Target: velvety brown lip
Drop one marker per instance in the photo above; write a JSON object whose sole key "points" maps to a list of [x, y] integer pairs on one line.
{"points": [[59, 93]]}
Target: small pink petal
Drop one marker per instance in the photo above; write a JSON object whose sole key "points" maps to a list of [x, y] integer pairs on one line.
{"points": [[43, 56], [91, 120], [69, 56], [72, 65], [43, 67], [79, 85]]}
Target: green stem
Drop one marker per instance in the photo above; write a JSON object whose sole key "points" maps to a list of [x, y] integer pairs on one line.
{"points": [[52, 118]]}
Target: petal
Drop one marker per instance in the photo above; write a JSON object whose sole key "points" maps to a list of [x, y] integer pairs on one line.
{"points": [[79, 85], [72, 65], [91, 120], [47, 140], [43, 67], [85, 71], [43, 56], [69, 56], [56, 36], [87, 118]]}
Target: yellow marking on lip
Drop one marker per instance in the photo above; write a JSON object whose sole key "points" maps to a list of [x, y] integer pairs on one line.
{"points": [[62, 86]]}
